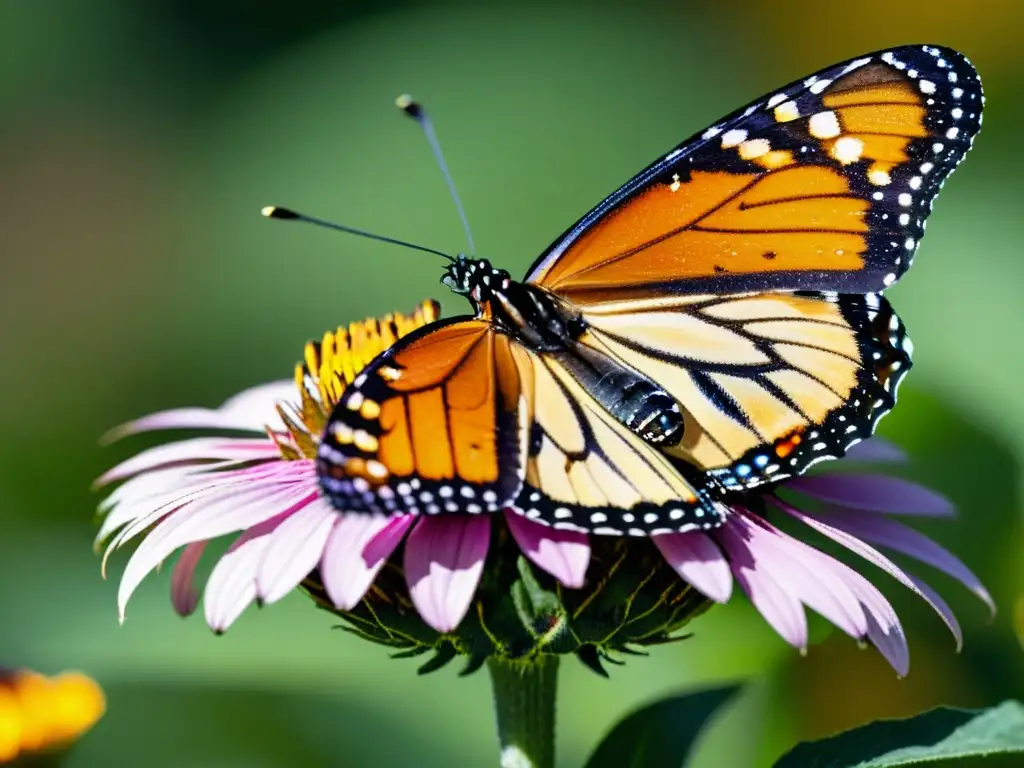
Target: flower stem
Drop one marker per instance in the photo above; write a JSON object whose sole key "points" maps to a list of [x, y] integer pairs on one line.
{"points": [[524, 702]]}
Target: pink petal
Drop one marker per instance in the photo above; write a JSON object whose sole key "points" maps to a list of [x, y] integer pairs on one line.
{"points": [[146, 505], [872, 555], [295, 549], [145, 500], [754, 571], [345, 569], [878, 450], [231, 587], [879, 623], [253, 409], [184, 595], [887, 635], [875, 493], [898, 537], [142, 500], [383, 543], [563, 554], [444, 557], [815, 579], [200, 449], [697, 558], [209, 519]]}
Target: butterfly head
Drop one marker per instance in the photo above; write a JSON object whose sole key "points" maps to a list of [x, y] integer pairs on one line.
{"points": [[475, 278]]}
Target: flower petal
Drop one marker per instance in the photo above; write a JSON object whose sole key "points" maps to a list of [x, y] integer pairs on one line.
{"points": [[815, 579], [754, 568], [876, 450], [875, 493], [184, 595], [222, 515], [699, 561], [444, 557], [872, 555], [563, 554], [253, 409], [200, 449], [346, 570], [295, 549], [900, 538], [232, 583]]}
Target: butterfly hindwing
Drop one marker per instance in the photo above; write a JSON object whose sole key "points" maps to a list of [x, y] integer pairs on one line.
{"points": [[585, 471], [768, 383], [823, 185]]}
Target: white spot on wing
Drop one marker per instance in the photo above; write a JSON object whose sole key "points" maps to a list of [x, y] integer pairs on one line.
{"points": [[820, 85], [824, 125], [733, 138]]}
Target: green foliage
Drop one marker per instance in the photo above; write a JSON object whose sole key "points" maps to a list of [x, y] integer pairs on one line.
{"points": [[659, 735], [941, 736]]}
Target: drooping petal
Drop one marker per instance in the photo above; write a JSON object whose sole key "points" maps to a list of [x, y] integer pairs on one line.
{"points": [[200, 449], [877, 450], [810, 576], [898, 537], [699, 561], [253, 409], [222, 515], [850, 602], [346, 569], [184, 595], [753, 570], [444, 557], [563, 554], [875, 493], [231, 587], [872, 555], [295, 548]]}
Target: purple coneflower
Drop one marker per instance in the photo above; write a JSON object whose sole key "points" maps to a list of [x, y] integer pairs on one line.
{"points": [[263, 486]]}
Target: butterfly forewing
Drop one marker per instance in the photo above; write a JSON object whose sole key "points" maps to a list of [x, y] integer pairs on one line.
{"points": [[823, 185]]}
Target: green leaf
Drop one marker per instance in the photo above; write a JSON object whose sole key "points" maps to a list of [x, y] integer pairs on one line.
{"points": [[939, 736], [659, 735]]}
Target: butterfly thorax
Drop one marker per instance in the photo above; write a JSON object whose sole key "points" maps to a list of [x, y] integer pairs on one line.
{"points": [[532, 315]]}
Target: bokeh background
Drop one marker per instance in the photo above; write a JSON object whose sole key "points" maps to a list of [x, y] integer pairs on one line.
{"points": [[138, 142]]}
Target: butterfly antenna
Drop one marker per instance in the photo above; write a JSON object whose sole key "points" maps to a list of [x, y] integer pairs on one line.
{"points": [[276, 212], [416, 111]]}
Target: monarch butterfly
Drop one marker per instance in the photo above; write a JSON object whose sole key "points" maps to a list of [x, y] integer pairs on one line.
{"points": [[715, 324]]}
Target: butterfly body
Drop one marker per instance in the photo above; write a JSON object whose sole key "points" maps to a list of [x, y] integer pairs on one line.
{"points": [[548, 325], [714, 325]]}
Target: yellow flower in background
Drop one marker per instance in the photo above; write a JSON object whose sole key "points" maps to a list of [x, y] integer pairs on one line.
{"points": [[39, 713]]}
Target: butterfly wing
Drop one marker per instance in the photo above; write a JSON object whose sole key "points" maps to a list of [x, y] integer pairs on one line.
{"points": [[459, 417], [768, 382], [823, 186], [431, 425], [586, 471]]}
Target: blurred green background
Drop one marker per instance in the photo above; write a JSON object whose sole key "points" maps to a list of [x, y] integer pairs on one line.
{"points": [[138, 142]]}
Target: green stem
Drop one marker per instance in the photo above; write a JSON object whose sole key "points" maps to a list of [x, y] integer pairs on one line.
{"points": [[524, 701]]}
